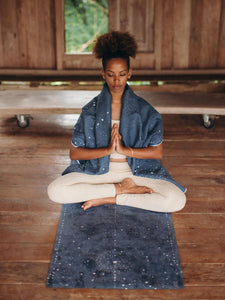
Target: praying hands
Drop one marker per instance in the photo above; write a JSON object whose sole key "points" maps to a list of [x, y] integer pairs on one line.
{"points": [[116, 143]]}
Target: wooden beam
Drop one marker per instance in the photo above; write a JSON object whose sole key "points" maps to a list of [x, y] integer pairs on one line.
{"points": [[59, 33], [138, 74]]}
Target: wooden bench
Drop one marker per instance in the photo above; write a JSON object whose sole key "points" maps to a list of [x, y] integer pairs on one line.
{"points": [[23, 104]]}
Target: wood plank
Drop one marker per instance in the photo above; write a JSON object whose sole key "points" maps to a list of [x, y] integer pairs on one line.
{"points": [[167, 34], [195, 33], [210, 33], [71, 73], [221, 46], [46, 35], [197, 206], [182, 20], [206, 220], [205, 193], [32, 29], [114, 14], [78, 62], [143, 30], [158, 25], [201, 252], [50, 102], [26, 252], [215, 172], [199, 274], [59, 33], [199, 235], [23, 272], [193, 161], [25, 218], [25, 234], [20, 199], [1, 42], [21, 14], [202, 149], [40, 291], [122, 16], [9, 292], [9, 34]]}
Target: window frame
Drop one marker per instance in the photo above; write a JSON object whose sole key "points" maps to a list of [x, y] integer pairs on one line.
{"points": [[68, 61]]}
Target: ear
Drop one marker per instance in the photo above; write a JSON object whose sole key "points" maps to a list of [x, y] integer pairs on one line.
{"points": [[130, 73], [103, 74]]}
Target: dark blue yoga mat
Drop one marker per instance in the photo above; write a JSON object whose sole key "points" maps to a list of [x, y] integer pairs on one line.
{"points": [[114, 246]]}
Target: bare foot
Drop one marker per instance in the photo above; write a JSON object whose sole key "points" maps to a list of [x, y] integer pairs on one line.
{"points": [[129, 187], [98, 202]]}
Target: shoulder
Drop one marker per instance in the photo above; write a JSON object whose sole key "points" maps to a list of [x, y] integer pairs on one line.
{"points": [[93, 104], [90, 105], [143, 105]]}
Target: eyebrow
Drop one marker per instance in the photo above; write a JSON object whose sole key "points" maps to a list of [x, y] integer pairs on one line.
{"points": [[114, 72]]}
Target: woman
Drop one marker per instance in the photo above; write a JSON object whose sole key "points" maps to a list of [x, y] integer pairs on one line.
{"points": [[117, 143]]}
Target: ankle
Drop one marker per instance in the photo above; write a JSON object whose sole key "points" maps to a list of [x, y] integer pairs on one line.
{"points": [[118, 188]]}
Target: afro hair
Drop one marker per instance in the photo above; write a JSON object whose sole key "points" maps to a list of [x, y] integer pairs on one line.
{"points": [[115, 44]]}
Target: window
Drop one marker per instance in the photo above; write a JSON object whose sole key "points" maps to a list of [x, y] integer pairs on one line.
{"points": [[84, 21]]}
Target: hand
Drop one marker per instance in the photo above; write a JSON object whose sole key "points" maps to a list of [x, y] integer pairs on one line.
{"points": [[112, 145], [119, 145]]}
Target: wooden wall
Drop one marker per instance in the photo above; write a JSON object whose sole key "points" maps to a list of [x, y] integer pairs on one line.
{"points": [[185, 36], [195, 33], [27, 34]]}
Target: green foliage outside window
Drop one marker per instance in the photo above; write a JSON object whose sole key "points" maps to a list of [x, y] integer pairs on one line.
{"points": [[84, 21]]}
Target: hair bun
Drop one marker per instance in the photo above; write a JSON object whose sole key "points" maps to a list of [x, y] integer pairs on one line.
{"points": [[115, 44]]}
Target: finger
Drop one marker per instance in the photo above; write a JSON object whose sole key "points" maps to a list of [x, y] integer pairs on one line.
{"points": [[115, 125], [114, 131], [113, 136]]}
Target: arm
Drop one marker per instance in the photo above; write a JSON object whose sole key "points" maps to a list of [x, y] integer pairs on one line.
{"points": [[152, 152], [80, 153]]}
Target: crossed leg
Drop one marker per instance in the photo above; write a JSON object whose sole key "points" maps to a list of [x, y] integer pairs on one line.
{"points": [[127, 186], [118, 186]]}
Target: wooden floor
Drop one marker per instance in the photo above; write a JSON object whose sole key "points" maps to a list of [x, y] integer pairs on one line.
{"points": [[31, 158]]}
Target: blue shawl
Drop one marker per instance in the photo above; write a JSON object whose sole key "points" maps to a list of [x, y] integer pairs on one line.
{"points": [[140, 126]]}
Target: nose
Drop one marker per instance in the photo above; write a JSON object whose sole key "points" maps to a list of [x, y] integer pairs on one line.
{"points": [[117, 78]]}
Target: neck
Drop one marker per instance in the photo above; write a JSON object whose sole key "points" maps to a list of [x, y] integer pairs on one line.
{"points": [[116, 98]]}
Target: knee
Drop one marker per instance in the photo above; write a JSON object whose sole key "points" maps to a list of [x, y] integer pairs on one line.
{"points": [[177, 202], [54, 191]]}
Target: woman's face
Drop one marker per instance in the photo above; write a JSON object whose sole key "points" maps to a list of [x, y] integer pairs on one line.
{"points": [[116, 75]]}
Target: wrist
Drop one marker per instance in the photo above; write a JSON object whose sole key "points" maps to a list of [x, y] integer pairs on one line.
{"points": [[108, 151], [127, 151], [131, 152]]}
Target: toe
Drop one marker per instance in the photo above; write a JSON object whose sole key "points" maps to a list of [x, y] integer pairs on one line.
{"points": [[85, 206]]}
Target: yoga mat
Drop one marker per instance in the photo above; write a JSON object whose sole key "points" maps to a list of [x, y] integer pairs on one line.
{"points": [[116, 247]]}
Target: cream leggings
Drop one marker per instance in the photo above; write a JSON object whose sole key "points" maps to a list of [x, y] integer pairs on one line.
{"points": [[78, 187]]}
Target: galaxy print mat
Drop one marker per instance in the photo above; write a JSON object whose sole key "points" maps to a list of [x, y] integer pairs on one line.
{"points": [[114, 247]]}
